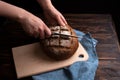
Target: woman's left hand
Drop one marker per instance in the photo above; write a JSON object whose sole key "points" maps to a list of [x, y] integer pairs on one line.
{"points": [[54, 17]]}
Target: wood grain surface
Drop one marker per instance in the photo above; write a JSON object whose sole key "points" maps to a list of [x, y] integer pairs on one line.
{"points": [[101, 26]]}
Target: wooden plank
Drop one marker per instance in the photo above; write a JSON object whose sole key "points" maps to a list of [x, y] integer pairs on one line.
{"points": [[108, 70]]}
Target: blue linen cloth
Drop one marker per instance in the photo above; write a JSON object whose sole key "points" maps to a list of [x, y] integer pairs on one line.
{"points": [[82, 70]]}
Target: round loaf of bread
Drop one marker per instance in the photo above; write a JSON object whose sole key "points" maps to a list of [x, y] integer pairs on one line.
{"points": [[60, 47]]}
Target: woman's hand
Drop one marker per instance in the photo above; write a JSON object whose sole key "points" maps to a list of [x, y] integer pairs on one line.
{"points": [[53, 16], [31, 24], [35, 26]]}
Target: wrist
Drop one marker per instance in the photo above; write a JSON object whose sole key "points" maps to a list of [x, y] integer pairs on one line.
{"points": [[22, 15]]}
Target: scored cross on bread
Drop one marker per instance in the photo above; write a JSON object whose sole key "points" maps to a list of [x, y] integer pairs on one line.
{"points": [[60, 47]]}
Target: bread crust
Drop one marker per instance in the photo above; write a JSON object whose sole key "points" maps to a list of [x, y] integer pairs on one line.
{"points": [[60, 47]]}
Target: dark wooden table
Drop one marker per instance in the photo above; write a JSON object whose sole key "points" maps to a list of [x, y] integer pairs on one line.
{"points": [[100, 26]]}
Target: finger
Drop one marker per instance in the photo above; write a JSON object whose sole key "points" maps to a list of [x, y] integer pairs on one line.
{"points": [[64, 20], [36, 34], [41, 30], [47, 32], [60, 21], [30, 32], [35, 31]]}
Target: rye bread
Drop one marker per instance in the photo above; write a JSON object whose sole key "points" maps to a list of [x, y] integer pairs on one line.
{"points": [[60, 47]]}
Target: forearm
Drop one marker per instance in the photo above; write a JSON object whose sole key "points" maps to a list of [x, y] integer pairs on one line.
{"points": [[11, 11], [45, 4]]}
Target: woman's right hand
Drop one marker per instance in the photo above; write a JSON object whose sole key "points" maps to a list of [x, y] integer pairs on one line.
{"points": [[31, 23], [34, 26]]}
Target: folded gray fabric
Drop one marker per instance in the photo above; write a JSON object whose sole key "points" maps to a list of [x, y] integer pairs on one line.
{"points": [[82, 70]]}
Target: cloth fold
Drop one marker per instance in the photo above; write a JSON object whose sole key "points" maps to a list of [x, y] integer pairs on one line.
{"points": [[81, 70]]}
